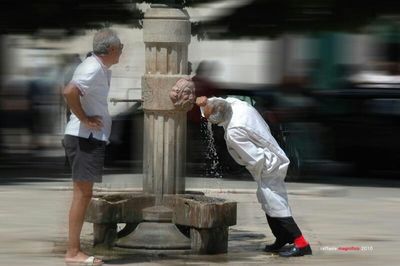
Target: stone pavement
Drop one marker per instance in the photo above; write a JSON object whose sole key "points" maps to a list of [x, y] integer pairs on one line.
{"points": [[346, 225]]}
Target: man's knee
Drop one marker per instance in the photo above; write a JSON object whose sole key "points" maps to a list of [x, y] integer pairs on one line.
{"points": [[87, 194], [83, 189]]}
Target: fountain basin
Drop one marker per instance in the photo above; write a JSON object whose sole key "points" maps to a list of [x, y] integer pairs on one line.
{"points": [[205, 220]]}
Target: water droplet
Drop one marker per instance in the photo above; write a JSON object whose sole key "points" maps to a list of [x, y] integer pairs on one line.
{"points": [[213, 167]]}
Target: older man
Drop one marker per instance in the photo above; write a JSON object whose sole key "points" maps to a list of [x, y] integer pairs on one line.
{"points": [[87, 132], [251, 144]]}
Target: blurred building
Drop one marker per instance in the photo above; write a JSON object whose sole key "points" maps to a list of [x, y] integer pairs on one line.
{"points": [[32, 110]]}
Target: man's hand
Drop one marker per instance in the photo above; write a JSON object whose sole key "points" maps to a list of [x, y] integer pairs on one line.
{"points": [[201, 101], [93, 122], [72, 96]]}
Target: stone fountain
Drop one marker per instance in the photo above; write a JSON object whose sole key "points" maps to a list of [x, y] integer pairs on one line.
{"points": [[164, 216]]}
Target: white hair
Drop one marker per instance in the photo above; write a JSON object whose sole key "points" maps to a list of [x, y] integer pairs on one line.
{"points": [[103, 39], [221, 110]]}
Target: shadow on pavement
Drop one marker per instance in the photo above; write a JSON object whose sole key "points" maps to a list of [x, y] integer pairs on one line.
{"points": [[21, 169], [384, 181]]}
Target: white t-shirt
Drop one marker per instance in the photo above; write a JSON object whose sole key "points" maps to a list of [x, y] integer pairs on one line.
{"points": [[92, 78]]}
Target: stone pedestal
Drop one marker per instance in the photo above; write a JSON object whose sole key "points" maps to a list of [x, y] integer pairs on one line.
{"points": [[209, 241], [156, 232]]}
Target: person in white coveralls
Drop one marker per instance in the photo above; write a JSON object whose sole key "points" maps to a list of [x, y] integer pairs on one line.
{"points": [[250, 143]]}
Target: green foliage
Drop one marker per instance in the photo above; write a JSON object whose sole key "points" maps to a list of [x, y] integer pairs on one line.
{"points": [[256, 18], [30, 16], [182, 3], [270, 18]]}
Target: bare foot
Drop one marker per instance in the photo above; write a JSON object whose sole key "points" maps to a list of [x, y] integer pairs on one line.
{"points": [[81, 259]]}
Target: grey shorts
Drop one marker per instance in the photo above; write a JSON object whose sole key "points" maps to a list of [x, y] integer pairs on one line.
{"points": [[86, 158]]}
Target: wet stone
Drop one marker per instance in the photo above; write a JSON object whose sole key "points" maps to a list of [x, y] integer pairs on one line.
{"points": [[204, 199]]}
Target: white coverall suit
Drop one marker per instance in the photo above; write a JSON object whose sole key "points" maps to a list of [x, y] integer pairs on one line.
{"points": [[251, 144]]}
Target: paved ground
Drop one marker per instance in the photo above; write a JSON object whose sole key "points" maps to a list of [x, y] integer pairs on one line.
{"points": [[347, 221]]}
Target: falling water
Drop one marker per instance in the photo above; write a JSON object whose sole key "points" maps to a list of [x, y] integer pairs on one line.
{"points": [[213, 166]]}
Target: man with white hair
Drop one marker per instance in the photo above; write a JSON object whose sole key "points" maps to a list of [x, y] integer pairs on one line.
{"points": [[87, 132], [250, 143]]}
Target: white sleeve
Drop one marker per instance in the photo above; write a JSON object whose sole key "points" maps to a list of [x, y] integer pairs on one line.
{"points": [[258, 160], [85, 80], [247, 152]]}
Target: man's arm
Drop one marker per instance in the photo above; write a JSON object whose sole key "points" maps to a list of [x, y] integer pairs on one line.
{"points": [[240, 142], [257, 157], [201, 101], [72, 96]]}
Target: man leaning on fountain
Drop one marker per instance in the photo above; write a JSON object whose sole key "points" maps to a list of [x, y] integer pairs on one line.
{"points": [[87, 133], [250, 143]]}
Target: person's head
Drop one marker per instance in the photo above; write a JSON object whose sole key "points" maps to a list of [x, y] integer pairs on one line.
{"points": [[217, 110], [208, 69], [190, 68], [89, 54], [107, 46]]}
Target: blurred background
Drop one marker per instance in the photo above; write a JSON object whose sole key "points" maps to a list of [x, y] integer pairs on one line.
{"points": [[325, 75]]}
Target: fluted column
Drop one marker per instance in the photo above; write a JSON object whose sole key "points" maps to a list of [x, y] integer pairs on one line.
{"points": [[166, 33]]}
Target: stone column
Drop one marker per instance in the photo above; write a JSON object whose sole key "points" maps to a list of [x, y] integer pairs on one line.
{"points": [[166, 33]]}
